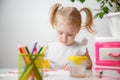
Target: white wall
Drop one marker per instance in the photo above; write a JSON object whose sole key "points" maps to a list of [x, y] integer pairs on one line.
{"points": [[26, 21]]}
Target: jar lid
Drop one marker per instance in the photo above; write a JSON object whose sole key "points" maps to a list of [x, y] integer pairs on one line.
{"points": [[77, 59]]}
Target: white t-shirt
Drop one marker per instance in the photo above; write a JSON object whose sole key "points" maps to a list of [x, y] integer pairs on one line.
{"points": [[57, 54]]}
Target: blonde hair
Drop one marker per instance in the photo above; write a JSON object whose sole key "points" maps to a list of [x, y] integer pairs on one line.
{"points": [[70, 15]]}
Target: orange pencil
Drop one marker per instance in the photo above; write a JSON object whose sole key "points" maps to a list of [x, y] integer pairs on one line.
{"points": [[23, 51]]}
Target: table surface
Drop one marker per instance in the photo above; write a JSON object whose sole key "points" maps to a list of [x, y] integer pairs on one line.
{"points": [[12, 74]]}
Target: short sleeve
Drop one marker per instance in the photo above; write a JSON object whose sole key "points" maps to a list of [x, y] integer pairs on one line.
{"points": [[83, 45]]}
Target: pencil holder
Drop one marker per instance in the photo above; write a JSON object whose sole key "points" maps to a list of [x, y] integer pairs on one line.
{"points": [[30, 67]]}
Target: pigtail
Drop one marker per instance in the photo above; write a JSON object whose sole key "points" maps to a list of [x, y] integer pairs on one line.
{"points": [[53, 11], [89, 19]]}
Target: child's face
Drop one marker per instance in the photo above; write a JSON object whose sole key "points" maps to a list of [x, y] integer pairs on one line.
{"points": [[66, 33]]}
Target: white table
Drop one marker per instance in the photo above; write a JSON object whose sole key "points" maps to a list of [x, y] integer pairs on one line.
{"points": [[11, 74], [65, 75]]}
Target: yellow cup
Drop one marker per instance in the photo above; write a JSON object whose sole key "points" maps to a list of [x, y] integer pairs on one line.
{"points": [[46, 64], [77, 66]]}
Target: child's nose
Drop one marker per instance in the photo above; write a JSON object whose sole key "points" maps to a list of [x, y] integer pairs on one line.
{"points": [[64, 38]]}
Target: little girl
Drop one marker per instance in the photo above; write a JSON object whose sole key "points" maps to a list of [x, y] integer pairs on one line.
{"points": [[67, 23]]}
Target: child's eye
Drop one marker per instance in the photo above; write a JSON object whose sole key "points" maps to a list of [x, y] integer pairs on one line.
{"points": [[60, 33], [70, 34]]}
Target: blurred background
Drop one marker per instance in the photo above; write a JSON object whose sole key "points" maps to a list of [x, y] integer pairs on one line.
{"points": [[23, 22]]}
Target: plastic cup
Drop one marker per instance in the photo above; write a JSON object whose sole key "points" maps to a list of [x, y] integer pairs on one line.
{"points": [[77, 66]]}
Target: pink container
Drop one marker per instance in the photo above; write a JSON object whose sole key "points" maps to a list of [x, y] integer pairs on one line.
{"points": [[107, 53], [107, 58]]}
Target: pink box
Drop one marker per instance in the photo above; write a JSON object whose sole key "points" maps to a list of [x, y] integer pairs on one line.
{"points": [[107, 58], [107, 52]]}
